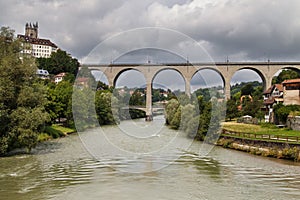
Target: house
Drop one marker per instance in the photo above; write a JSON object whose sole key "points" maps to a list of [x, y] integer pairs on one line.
{"points": [[43, 74], [35, 46], [291, 92], [59, 77], [82, 82], [272, 96]]}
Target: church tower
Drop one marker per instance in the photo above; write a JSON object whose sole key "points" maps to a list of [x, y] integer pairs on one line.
{"points": [[31, 30]]}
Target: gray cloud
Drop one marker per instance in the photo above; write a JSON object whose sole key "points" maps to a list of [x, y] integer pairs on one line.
{"points": [[248, 30], [242, 30]]}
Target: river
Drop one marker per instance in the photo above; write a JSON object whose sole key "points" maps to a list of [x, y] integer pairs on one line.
{"points": [[152, 168]]}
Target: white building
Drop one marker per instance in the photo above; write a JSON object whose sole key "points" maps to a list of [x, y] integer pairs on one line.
{"points": [[43, 74], [272, 96], [59, 77], [37, 47]]}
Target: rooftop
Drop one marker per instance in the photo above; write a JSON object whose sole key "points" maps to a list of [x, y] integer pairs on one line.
{"points": [[37, 41], [291, 81]]}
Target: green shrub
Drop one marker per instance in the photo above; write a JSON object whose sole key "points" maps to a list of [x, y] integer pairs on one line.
{"points": [[291, 153], [268, 125], [43, 137]]}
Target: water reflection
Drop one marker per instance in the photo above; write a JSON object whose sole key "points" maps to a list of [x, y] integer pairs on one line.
{"points": [[204, 165], [62, 169]]}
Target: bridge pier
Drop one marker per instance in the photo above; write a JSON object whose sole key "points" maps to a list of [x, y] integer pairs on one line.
{"points": [[149, 116], [188, 86]]}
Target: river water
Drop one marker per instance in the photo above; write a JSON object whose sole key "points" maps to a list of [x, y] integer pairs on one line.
{"points": [[150, 167]]}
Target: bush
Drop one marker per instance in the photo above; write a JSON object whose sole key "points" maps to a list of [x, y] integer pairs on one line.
{"points": [[268, 125], [43, 137], [291, 153]]}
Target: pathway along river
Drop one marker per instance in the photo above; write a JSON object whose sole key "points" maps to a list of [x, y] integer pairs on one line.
{"points": [[62, 169]]}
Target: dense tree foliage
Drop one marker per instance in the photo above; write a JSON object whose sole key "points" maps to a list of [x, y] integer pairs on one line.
{"points": [[197, 118], [22, 97], [236, 88], [208, 93], [59, 98], [59, 62], [285, 75], [247, 89], [240, 104], [106, 106], [232, 109], [282, 112]]}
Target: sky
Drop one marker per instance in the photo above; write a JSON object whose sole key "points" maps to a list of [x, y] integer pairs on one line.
{"points": [[247, 30]]}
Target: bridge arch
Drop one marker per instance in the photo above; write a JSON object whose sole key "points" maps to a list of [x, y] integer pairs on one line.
{"points": [[260, 73], [117, 75], [172, 69], [286, 68], [212, 69], [208, 78], [100, 76]]}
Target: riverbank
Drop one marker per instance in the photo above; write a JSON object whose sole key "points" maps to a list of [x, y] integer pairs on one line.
{"points": [[55, 131], [265, 140]]}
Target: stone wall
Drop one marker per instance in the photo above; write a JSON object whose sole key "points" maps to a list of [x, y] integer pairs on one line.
{"points": [[293, 122]]}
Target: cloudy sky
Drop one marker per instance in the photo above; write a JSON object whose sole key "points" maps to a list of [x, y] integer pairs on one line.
{"points": [[242, 30]]}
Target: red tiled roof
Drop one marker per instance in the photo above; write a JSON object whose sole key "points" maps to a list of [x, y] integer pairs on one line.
{"points": [[279, 87], [291, 81], [60, 74], [269, 101], [38, 41], [270, 89]]}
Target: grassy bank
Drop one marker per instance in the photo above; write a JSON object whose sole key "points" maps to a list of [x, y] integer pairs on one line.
{"points": [[55, 131], [263, 132], [259, 129], [265, 139]]}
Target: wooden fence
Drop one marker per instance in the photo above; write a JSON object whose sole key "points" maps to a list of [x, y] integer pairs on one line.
{"points": [[262, 137]]}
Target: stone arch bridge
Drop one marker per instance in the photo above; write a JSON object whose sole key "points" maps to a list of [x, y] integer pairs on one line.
{"points": [[226, 70]]}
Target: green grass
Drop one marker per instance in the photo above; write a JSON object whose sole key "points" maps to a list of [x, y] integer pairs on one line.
{"points": [[264, 129], [54, 131], [63, 129]]}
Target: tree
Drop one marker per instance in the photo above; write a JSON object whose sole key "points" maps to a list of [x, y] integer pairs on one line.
{"points": [[137, 99], [59, 62], [59, 97], [176, 120], [22, 97], [282, 112], [247, 89], [171, 109], [188, 112], [285, 75], [82, 109], [106, 108], [252, 108], [231, 109]]}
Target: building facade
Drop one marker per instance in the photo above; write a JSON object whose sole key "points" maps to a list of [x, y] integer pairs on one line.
{"points": [[287, 93], [291, 92], [35, 46], [59, 77], [272, 96]]}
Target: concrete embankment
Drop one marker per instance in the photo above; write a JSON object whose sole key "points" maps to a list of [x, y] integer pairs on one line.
{"points": [[263, 148]]}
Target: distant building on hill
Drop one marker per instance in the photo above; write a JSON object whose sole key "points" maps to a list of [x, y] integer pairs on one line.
{"points": [[43, 74], [59, 77], [35, 46]]}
